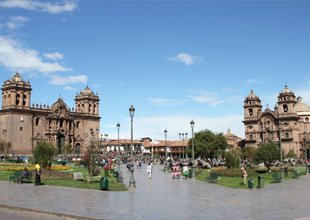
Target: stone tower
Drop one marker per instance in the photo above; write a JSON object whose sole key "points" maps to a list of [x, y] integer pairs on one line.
{"points": [[16, 93], [87, 102], [252, 106]]}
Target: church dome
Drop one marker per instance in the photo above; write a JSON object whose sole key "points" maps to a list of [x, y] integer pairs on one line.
{"points": [[300, 106], [286, 90], [252, 96], [87, 91]]}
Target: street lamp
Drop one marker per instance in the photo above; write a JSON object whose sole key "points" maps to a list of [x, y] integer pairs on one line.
{"points": [[192, 123], [166, 151], [132, 182], [118, 127], [183, 136], [131, 113]]}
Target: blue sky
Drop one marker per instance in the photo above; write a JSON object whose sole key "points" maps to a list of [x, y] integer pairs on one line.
{"points": [[173, 60]]}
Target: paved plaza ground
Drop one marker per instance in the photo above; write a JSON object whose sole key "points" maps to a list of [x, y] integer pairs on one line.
{"points": [[161, 198]]}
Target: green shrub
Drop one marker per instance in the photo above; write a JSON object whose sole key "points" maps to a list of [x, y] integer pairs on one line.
{"points": [[43, 153], [233, 172], [232, 158]]}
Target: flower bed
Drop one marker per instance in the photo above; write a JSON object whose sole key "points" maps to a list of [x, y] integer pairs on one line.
{"points": [[15, 167], [234, 172]]}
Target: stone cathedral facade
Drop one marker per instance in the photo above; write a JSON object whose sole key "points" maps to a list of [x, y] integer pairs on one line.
{"points": [[287, 124], [24, 125]]}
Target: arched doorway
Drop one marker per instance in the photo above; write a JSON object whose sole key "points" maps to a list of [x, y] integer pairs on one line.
{"points": [[78, 149], [60, 143]]}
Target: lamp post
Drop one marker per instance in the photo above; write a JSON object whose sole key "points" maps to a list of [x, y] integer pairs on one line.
{"points": [[192, 123], [132, 182], [118, 127], [280, 141], [166, 152], [131, 113], [183, 136]]}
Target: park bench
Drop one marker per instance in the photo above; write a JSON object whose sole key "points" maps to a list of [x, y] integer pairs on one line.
{"points": [[212, 178], [14, 177], [295, 174], [277, 177]]}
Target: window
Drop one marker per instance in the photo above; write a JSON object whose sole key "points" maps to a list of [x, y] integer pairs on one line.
{"points": [[307, 119], [61, 123], [24, 100], [285, 108], [251, 137], [250, 112], [17, 99], [37, 121], [21, 128], [89, 109], [77, 124], [286, 135]]}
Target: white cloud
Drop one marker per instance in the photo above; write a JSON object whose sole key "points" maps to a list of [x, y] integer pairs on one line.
{"points": [[68, 88], [54, 56], [165, 101], [257, 81], [185, 58], [44, 6], [14, 55], [60, 81], [15, 22], [208, 97]]}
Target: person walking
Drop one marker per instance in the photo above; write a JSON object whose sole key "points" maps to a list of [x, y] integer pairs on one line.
{"points": [[149, 170], [243, 175], [37, 180]]}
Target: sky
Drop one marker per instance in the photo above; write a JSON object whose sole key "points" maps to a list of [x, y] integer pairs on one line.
{"points": [[175, 61]]}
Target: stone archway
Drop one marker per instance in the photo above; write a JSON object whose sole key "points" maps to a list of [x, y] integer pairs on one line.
{"points": [[60, 143]]}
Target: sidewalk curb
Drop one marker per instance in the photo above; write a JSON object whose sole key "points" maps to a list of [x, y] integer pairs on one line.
{"points": [[46, 212]]}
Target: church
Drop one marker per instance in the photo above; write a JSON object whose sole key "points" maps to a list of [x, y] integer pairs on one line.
{"points": [[287, 124], [24, 125]]}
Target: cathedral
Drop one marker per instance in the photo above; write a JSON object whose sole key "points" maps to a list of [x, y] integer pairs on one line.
{"points": [[24, 125], [287, 124]]}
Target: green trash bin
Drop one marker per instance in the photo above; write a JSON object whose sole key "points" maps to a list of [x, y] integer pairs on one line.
{"points": [[251, 183], [104, 183], [261, 181]]}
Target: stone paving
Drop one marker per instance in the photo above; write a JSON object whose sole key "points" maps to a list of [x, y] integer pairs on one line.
{"points": [[164, 198]]}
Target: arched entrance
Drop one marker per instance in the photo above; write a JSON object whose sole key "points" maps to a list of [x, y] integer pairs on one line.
{"points": [[60, 143], [78, 149]]}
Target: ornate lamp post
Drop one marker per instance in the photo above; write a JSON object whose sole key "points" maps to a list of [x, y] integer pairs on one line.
{"points": [[118, 127], [183, 136], [192, 123], [132, 182], [166, 151]]}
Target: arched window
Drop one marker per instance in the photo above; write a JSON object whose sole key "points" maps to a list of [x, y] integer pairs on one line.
{"points": [[307, 119], [17, 99], [251, 137], [250, 112], [77, 124], [286, 135], [37, 121], [285, 108], [24, 100]]}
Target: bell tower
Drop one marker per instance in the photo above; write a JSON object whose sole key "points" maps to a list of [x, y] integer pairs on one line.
{"points": [[16, 93], [286, 102], [87, 102], [252, 106]]}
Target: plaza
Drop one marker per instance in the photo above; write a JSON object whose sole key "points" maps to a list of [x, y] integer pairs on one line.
{"points": [[163, 198]]}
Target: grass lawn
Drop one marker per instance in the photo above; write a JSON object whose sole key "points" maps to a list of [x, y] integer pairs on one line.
{"points": [[235, 182], [70, 182]]}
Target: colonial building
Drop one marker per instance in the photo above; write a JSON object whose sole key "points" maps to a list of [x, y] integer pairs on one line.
{"points": [[233, 140], [24, 125], [287, 124]]}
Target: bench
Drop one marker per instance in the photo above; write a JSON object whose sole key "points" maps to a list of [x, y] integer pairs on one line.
{"points": [[277, 177], [15, 177], [212, 178], [295, 174]]}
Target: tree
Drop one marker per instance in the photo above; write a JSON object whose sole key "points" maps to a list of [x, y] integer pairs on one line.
{"points": [[208, 144], [291, 154], [5, 148], [91, 158], [249, 153], [232, 158], [43, 153], [67, 150], [267, 153]]}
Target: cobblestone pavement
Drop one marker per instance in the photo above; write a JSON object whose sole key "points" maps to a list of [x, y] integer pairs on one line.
{"points": [[164, 198]]}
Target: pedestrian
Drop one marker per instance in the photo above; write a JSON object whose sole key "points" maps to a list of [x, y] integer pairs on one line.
{"points": [[243, 175], [37, 169], [149, 170]]}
